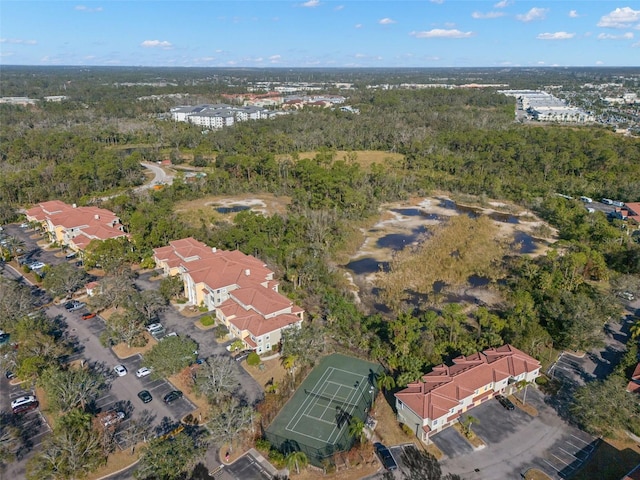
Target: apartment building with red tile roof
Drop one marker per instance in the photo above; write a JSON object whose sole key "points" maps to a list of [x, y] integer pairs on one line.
{"points": [[75, 227], [240, 288], [439, 398]]}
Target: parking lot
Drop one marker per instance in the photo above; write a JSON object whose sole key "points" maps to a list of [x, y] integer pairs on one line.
{"points": [[515, 442], [32, 426]]}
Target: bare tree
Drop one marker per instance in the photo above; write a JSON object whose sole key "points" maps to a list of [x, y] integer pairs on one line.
{"points": [[216, 378], [230, 421], [71, 388], [63, 279], [125, 327]]}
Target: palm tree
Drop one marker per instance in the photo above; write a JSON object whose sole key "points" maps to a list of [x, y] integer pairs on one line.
{"points": [[466, 425], [385, 382], [356, 429], [297, 460], [289, 363]]}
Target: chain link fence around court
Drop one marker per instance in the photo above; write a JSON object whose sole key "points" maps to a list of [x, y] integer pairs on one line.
{"points": [[320, 436]]}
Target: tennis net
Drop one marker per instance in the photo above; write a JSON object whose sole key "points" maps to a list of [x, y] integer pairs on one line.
{"points": [[339, 400]]}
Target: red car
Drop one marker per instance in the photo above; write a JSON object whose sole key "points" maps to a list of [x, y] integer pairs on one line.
{"points": [[88, 316]]}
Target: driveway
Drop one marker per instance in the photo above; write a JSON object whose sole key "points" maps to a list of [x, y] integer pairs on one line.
{"points": [[451, 443]]}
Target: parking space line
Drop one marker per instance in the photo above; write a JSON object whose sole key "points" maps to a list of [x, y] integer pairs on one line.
{"points": [[559, 459], [570, 454], [581, 440], [553, 467]]}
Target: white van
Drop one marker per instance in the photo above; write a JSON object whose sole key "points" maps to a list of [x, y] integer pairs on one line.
{"points": [[616, 203], [586, 199], [607, 201]]}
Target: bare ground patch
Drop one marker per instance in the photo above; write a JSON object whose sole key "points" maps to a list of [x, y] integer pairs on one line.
{"points": [[204, 209]]}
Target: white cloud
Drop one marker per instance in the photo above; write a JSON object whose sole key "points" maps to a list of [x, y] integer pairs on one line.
{"points": [[555, 36], [84, 8], [275, 58], [540, 62], [440, 33], [608, 36], [502, 4], [156, 44], [360, 55], [481, 15], [637, 44], [599, 62], [386, 21], [534, 14], [357, 25], [439, 2], [311, 4], [18, 41], [6, 54], [339, 7], [573, 14], [620, 18]]}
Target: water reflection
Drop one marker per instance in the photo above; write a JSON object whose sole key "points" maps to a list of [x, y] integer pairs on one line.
{"points": [[365, 266], [231, 209], [397, 241]]}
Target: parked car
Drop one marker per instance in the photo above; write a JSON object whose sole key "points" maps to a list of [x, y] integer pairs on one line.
{"points": [[155, 327], [71, 255], [120, 370], [143, 372], [74, 305], [36, 265], [386, 457], [109, 419], [88, 316], [505, 402], [607, 201], [145, 396], [24, 225], [172, 396], [586, 199], [10, 375], [630, 297], [24, 404]]}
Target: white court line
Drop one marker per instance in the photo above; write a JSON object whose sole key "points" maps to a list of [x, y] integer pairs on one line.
{"points": [[309, 402]]}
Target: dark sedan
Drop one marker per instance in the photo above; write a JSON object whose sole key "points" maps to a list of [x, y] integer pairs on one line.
{"points": [[386, 457], [145, 396], [172, 396], [505, 402]]}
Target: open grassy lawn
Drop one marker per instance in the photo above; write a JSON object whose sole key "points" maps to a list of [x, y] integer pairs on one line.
{"points": [[612, 460]]}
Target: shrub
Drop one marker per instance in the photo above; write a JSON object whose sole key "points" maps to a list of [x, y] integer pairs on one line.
{"points": [[406, 429], [263, 445], [207, 321], [253, 359], [276, 457], [26, 269]]}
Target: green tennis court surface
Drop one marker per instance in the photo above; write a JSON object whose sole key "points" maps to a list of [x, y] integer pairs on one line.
{"points": [[316, 419]]}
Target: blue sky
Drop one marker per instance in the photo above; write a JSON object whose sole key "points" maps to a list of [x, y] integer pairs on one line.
{"points": [[321, 33]]}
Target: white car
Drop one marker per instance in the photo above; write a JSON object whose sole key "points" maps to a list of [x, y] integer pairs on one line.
{"points": [[120, 370], [27, 399], [155, 327], [37, 265], [143, 372]]}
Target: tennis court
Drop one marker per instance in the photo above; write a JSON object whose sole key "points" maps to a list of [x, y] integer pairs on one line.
{"points": [[316, 419]]}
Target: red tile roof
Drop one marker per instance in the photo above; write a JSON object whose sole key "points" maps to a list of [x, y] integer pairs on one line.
{"points": [[634, 385], [633, 211], [93, 222], [446, 386]]}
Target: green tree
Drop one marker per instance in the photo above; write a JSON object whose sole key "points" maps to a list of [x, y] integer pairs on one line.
{"points": [[169, 458], [149, 303], [171, 355], [63, 279], [171, 288], [9, 440], [72, 452], [466, 425], [599, 396], [385, 381], [127, 327]]}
